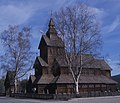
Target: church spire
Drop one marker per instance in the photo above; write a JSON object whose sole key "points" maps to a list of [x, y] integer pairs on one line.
{"points": [[51, 23], [51, 31]]}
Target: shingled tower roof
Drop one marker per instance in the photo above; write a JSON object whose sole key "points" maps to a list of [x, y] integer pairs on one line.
{"points": [[51, 38], [51, 23], [51, 31]]}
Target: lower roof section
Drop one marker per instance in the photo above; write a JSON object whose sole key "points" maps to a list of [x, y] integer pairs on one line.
{"points": [[67, 79]]}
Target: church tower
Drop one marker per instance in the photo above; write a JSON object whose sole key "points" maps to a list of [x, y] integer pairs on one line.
{"points": [[51, 46]]}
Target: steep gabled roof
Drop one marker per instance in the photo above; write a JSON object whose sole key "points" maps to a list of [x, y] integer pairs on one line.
{"points": [[68, 79], [65, 79], [88, 60], [97, 63], [51, 30], [104, 65], [62, 61], [41, 61], [51, 38], [54, 41], [45, 79], [96, 79], [84, 79], [51, 23]]}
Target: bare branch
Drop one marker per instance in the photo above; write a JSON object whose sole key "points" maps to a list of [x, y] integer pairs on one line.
{"points": [[80, 31]]}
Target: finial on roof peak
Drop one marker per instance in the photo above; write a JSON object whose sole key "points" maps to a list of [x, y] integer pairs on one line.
{"points": [[51, 29], [42, 32], [51, 23]]}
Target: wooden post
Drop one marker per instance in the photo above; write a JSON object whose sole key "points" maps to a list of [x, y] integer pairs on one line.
{"points": [[100, 87], [88, 89], [94, 90]]}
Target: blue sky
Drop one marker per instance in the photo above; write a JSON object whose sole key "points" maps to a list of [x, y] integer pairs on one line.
{"points": [[36, 14]]}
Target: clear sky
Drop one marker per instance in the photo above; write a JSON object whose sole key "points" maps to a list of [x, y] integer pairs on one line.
{"points": [[36, 14]]}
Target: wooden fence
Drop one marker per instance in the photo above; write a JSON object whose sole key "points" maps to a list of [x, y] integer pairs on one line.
{"points": [[63, 96]]}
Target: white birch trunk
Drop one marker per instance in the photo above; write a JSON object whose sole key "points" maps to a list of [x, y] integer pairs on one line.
{"points": [[76, 87], [15, 91]]}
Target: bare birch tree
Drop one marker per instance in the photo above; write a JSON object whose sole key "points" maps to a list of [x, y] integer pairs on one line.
{"points": [[17, 48], [80, 31]]}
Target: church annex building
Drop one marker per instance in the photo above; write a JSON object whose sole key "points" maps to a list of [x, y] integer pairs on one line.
{"points": [[52, 75]]}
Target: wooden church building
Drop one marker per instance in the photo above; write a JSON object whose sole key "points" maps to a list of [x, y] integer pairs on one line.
{"points": [[52, 75]]}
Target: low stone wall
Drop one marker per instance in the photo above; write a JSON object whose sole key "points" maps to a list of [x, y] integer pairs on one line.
{"points": [[64, 96]]}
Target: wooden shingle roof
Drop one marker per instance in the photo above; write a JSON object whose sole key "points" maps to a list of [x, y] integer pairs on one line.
{"points": [[96, 79], [88, 60], [45, 79], [51, 38], [67, 79], [104, 65], [87, 79], [54, 41], [41, 61], [62, 61]]}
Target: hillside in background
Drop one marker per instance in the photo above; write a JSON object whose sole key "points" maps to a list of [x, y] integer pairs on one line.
{"points": [[116, 78]]}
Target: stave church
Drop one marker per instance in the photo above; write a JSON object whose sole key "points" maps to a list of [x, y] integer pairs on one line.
{"points": [[52, 75]]}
